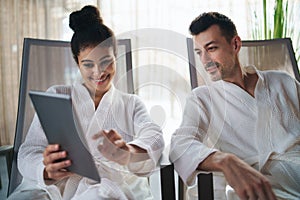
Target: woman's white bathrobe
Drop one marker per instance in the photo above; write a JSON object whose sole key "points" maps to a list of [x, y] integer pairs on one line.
{"points": [[123, 112], [263, 131]]}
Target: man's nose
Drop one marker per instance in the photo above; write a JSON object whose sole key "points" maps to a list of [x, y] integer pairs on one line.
{"points": [[205, 58]]}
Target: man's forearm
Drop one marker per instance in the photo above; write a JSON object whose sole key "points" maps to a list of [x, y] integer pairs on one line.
{"points": [[245, 180], [214, 162]]}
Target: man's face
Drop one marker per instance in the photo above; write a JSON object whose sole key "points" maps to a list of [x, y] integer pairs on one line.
{"points": [[218, 56]]}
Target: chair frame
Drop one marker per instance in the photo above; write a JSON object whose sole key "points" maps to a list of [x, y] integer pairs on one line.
{"points": [[286, 41], [167, 172], [14, 174]]}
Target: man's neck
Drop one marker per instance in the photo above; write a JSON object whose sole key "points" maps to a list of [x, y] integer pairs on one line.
{"points": [[245, 81], [250, 81]]}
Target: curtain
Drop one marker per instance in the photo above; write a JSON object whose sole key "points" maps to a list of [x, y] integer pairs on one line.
{"points": [[19, 19], [48, 19]]}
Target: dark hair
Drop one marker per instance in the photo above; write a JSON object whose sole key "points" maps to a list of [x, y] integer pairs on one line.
{"points": [[206, 20], [89, 31]]}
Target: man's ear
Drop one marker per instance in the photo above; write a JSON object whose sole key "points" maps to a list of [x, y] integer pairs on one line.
{"points": [[237, 43]]}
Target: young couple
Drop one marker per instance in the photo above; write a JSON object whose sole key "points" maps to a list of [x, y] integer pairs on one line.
{"points": [[255, 136]]}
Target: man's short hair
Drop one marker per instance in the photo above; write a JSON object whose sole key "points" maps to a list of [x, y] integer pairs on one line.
{"points": [[206, 20]]}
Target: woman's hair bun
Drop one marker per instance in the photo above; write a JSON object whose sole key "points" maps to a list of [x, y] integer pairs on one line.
{"points": [[87, 17]]}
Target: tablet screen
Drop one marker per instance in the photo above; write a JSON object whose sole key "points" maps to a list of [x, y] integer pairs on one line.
{"points": [[58, 122]]}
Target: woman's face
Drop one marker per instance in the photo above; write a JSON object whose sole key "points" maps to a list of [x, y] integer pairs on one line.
{"points": [[97, 68]]}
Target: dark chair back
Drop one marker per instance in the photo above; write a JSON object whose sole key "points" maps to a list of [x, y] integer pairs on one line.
{"points": [[274, 54], [46, 63]]}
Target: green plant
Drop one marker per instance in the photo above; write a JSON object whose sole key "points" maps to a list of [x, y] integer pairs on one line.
{"points": [[278, 23]]}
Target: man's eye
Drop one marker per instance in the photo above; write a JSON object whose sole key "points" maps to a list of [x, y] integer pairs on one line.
{"points": [[199, 53], [211, 49]]}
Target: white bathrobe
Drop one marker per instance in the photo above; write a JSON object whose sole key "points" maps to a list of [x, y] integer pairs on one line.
{"points": [[263, 131], [123, 112]]}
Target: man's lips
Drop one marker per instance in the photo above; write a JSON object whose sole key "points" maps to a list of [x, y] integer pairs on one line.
{"points": [[211, 67]]}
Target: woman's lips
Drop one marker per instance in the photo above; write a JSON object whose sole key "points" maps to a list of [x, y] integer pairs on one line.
{"points": [[102, 79]]}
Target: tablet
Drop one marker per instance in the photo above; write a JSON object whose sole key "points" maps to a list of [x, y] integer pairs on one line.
{"points": [[58, 122]]}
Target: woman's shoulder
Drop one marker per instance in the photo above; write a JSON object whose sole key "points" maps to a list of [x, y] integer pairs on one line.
{"points": [[123, 94], [60, 89], [127, 97]]}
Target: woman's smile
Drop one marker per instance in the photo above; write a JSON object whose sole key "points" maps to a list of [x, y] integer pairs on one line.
{"points": [[101, 80]]}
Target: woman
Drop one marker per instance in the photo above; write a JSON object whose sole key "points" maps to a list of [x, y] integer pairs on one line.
{"points": [[123, 140]]}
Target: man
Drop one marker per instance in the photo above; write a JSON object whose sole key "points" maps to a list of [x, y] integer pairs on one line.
{"points": [[246, 124]]}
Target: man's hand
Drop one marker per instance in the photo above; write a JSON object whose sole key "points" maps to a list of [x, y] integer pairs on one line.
{"points": [[55, 169], [247, 182]]}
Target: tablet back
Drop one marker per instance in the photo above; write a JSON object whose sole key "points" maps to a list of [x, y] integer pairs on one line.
{"points": [[56, 116]]}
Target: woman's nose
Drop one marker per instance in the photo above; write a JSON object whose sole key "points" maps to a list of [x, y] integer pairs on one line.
{"points": [[96, 69]]}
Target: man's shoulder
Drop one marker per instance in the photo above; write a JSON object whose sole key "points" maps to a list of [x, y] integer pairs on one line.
{"points": [[278, 80], [205, 92], [275, 75], [202, 89]]}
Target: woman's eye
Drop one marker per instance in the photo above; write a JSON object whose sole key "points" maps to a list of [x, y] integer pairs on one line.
{"points": [[88, 65], [106, 62]]}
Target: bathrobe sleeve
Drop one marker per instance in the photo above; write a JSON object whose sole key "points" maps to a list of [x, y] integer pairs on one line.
{"points": [[187, 144], [148, 136]]}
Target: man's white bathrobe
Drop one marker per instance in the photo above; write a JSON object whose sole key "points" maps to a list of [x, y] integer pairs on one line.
{"points": [[123, 112], [263, 131]]}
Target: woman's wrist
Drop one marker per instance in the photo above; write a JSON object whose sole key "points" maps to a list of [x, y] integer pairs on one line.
{"points": [[46, 177], [137, 154]]}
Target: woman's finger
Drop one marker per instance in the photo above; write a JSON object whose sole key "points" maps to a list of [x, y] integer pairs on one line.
{"points": [[98, 135], [50, 149], [120, 143], [53, 157], [58, 166], [112, 135]]}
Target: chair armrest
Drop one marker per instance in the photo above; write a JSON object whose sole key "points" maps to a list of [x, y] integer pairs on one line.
{"points": [[7, 151]]}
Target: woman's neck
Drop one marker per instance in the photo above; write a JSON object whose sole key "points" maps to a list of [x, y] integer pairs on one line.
{"points": [[97, 101], [96, 95]]}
